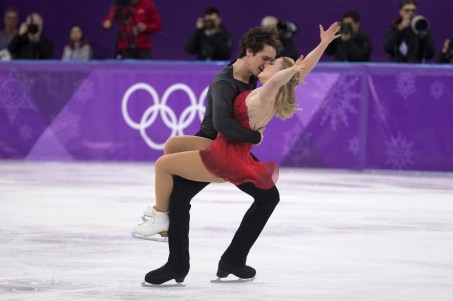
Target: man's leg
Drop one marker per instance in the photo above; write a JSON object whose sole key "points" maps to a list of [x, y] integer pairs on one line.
{"points": [[177, 265], [251, 226]]}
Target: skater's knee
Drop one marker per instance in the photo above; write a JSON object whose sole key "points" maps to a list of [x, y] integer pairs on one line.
{"points": [[170, 146], [273, 197]]}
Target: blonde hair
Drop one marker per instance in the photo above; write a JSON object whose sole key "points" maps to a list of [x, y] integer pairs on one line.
{"points": [[285, 103]]}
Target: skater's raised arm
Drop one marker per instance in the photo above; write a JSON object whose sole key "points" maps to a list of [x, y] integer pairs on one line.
{"points": [[314, 56]]}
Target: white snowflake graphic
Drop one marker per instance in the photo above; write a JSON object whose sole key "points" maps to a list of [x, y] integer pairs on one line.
{"points": [[405, 84], [25, 132], [437, 89], [13, 97], [338, 104], [66, 126], [85, 91], [399, 152], [354, 145]]}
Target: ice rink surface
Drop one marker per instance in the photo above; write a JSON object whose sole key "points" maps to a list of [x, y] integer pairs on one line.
{"points": [[336, 235]]}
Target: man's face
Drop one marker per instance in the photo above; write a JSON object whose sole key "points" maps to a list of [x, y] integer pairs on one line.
{"points": [[355, 26], [10, 19], [212, 21], [260, 60], [408, 11]]}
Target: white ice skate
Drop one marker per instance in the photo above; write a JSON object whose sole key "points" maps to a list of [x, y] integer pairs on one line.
{"points": [[147, 213], [156, 224]]}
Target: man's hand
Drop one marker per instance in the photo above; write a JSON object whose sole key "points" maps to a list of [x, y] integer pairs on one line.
{"points": [[107, 24], [23, 29], [261, 130], [141, 27]]}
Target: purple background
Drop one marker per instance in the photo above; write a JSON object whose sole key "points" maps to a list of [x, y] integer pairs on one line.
{"points": [[179, 17], [374, 116]]}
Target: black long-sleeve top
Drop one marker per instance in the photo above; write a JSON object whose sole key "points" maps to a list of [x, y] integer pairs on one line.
{"points": [[420, 47], [22, 48], [219, 108], [357, 49], [219, 46]]}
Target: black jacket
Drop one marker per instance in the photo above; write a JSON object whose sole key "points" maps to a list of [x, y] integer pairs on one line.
{"points": [[216, 47], [356, 49], [420, 47], [22, 48]]}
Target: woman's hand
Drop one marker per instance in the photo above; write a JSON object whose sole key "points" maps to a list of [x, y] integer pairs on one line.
{"points": [[299, 65], [331, 33]]}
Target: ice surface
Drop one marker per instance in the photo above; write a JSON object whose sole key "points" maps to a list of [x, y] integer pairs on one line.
{"points": [[336, 235]]}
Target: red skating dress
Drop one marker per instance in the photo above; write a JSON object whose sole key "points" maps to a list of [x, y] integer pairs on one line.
{"points": [[232, 161]]}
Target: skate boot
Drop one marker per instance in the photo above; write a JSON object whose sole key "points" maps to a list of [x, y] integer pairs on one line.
{"points": [[243, 272], [163, 274], [156, 224], [147, 213]]}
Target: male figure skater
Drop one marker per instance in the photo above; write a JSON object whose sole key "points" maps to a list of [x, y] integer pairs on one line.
{"points": [[258, 48]]}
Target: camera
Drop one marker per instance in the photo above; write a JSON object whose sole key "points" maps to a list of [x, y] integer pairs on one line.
{"points": [[286, 29], [346, 28], [419, 25], [32, 28], [208, 24]]}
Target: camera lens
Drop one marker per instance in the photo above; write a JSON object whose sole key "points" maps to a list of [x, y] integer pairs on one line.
{"points": [[32, 28]]}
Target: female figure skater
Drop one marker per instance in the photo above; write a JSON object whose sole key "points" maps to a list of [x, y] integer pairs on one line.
{"points": [[220, 160]]}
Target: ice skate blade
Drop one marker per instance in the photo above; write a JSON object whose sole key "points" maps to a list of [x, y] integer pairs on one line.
{"points": [[157, 238], [146, 284], [239, 280]]}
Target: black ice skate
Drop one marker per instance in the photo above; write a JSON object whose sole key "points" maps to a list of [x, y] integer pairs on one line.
{"points": [[163, 274], [245, 273]]}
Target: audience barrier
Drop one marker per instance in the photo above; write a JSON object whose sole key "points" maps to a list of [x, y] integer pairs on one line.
{"points": [[353, 116]]}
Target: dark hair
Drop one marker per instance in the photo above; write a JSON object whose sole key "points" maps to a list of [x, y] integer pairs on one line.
{"points": [[257, 37], [83, 41], [12, 9], [405, 2], [211, 10], [353, 15]]}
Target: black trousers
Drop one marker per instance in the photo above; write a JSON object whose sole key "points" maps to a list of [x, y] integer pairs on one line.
{"points": [[251, 226]]}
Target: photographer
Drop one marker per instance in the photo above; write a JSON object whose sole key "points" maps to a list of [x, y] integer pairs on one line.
{"points": [[10, 20], [286, 31], [446, 55], [210, 40], [409, 39], [137, 20], [30, 42], [353, 45]]}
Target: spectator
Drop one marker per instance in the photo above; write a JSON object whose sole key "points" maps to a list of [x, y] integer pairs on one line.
{"points": [[446, 55], [404, 41], [353, 45], [31, 43], [137, 21], [10, 19], [286, 31], [210, 40], [77, 49]]}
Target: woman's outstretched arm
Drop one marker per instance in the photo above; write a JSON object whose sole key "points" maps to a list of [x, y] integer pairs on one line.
{"points": [[314, 56]]}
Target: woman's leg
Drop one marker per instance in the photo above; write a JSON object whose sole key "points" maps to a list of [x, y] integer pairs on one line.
{"points": [[185, 164], [179, 144]]}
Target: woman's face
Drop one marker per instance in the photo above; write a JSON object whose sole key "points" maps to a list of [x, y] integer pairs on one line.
{"points": [[76, 34], [270, 70]]}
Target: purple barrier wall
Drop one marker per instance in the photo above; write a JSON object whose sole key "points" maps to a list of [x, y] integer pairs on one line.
{"points": [[179, 18], [374, 116]]}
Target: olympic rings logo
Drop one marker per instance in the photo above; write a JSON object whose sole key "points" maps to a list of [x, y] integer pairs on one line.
{"points": [[160, 108]]}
